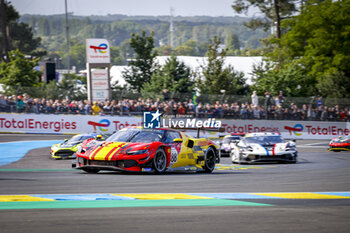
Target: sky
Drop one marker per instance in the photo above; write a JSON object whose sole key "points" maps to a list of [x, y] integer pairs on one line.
{"points": [[126, 7]]}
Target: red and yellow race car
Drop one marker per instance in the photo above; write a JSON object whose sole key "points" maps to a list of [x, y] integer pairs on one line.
{"points": [[152, 150], [340, 144]]}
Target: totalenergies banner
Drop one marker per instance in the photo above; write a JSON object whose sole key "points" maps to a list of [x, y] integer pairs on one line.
{"points": [[62, 124], [289, 129]]}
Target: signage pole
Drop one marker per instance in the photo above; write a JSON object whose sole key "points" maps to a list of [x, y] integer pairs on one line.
{"points": [[67, 38]]}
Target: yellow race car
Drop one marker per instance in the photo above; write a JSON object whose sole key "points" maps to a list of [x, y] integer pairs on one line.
{"points": [[152, 150], [67, 149]]}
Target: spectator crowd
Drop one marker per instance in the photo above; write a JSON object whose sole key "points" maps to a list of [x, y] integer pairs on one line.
{"points": [[272, 108]]}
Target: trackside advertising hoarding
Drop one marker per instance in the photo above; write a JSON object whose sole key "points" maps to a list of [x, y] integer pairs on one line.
{"points": [[71, 124]]}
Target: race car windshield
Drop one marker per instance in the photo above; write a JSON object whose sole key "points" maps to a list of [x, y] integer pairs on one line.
{"points": [[78, 138], [229, 139], [346, 138], [264, 140], [137, 135], [148, 136]]}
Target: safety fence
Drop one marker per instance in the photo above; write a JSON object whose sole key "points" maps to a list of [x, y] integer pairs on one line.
{"points": [[204, 106]]}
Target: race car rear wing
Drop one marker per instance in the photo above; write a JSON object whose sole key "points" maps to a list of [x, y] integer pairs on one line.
{"points": [[221, 129], [238, 134]]}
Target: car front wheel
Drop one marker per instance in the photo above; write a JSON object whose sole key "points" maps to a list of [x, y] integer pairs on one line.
{"points": [[159, 161]]}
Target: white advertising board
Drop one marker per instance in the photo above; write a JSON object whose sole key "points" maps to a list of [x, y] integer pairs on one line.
{"points": [[99, 84], [99, 74], [97, 51], [100, 95], [60, 124], [99, 79]]}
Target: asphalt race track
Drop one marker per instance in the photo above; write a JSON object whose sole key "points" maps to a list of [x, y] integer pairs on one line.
{"points": [[38, 194]]}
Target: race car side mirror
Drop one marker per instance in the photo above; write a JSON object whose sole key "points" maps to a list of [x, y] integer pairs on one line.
{"points": [[178, 140], [65, 140]]}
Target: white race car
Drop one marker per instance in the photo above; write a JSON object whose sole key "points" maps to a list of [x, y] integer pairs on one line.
{"points": [[225, 144], [263, 147]]}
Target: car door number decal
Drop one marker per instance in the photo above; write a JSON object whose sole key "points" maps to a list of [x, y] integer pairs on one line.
{"points": [[173, 156]]}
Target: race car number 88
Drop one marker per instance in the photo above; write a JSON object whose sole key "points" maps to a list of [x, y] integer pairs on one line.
{"points": [[173, 158]]}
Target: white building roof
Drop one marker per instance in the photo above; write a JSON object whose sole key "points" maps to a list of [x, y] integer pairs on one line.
{"points": [[242, 64]]}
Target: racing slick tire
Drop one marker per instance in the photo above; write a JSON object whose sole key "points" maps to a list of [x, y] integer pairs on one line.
{"points": [[91, 170], [295, 158], [160, 161], [210, 159]]}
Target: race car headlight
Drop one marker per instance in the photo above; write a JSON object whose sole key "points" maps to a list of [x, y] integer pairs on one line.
{"points": [[137, 152]]}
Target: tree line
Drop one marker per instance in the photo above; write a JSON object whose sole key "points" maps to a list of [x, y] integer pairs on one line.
{"points": [[308, 54], [191, 34]]}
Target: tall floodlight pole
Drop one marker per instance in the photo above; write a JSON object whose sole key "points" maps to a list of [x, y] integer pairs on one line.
{"points": [[4, 38], [67, 38], [171, 29]]}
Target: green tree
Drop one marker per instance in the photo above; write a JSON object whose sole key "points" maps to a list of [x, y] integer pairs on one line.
{"points": [[216, 77], [164, 50], [19, 71], [143, 65], [202, 48], [189, 48], [66, 88], [232, 42], [126, 49], [174, 76], [20, 35], [77, 53], [292, 79], [22, 38], [334, 84], [69, 88], [273, 10], [317, 44], [117, 57]]}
